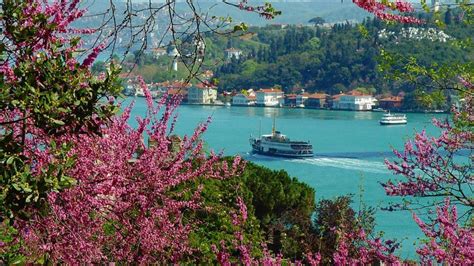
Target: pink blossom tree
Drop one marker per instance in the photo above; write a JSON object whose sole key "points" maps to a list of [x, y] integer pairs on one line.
{"points": [[46, 92], [123, 207], [447, 241], [438, 167], [386, 10]]}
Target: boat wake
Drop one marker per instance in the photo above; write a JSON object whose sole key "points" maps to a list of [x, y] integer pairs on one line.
{"points": [[340, 161], [346, 163], [356, 155]]}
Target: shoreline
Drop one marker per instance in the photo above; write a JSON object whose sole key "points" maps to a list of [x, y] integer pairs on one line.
{"points": [[308, 108]]}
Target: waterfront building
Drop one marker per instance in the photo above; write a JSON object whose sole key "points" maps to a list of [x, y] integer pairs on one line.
{"points": [[182, 92], [290, 100], [301, 99], [391, 102], [334, 100], [233, 53], [316, 100], [241, 99], [269, 97], [202, 93], [354, 100]]}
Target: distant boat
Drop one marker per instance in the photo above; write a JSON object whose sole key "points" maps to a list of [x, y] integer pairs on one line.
{"points": [[434, 111], [219, 103], [390, 119], [378, 110], [277, 144]]}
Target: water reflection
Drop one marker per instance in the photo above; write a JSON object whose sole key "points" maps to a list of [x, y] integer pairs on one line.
{"points": [[363, 115], [271, 112]]}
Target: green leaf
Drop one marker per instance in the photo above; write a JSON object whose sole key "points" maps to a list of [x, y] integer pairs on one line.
{"points": [[16, 186], [10, 159], [28, 199], [241, 27], [57, 122]]}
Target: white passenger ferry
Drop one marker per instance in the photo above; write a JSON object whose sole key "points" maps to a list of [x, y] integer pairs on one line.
{"points": [[390, 119], [277, 144]]}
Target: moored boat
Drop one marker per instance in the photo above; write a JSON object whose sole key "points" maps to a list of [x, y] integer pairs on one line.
{"points": [[391, 119]]}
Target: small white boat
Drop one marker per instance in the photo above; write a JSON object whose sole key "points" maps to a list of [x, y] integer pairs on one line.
{"points": [[390, 119], [378, 110]]}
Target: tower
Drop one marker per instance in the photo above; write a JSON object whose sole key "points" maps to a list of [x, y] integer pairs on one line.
{"points": [[175, 64], [173, 52], [435, 5]]}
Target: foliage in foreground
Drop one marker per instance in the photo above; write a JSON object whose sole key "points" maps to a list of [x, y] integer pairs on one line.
{"points": [[104, 195], [45, 93]]}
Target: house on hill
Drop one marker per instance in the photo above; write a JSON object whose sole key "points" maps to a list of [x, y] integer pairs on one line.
{"points": [[233, 53], [157, 52]]}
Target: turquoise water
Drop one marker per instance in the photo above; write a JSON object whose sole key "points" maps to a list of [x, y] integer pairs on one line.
{"points": [[349, 147]]}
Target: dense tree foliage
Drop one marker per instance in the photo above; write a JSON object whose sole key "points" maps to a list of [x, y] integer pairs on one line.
{"points": [[318, 59], [279, 210]]}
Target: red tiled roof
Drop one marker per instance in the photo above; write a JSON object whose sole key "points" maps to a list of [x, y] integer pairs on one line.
{"points": [[177, 91], [357, 93], [205, 85], [392, 99], [269, 90], [247, 96], [174, 84], [179, 84], [337, 96], [318, 96]]}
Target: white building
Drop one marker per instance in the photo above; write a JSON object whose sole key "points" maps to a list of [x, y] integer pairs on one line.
{"points": [[202, 94], [232, 52], [355, 101], [301, 99], [243, 100], [269, 97]]}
